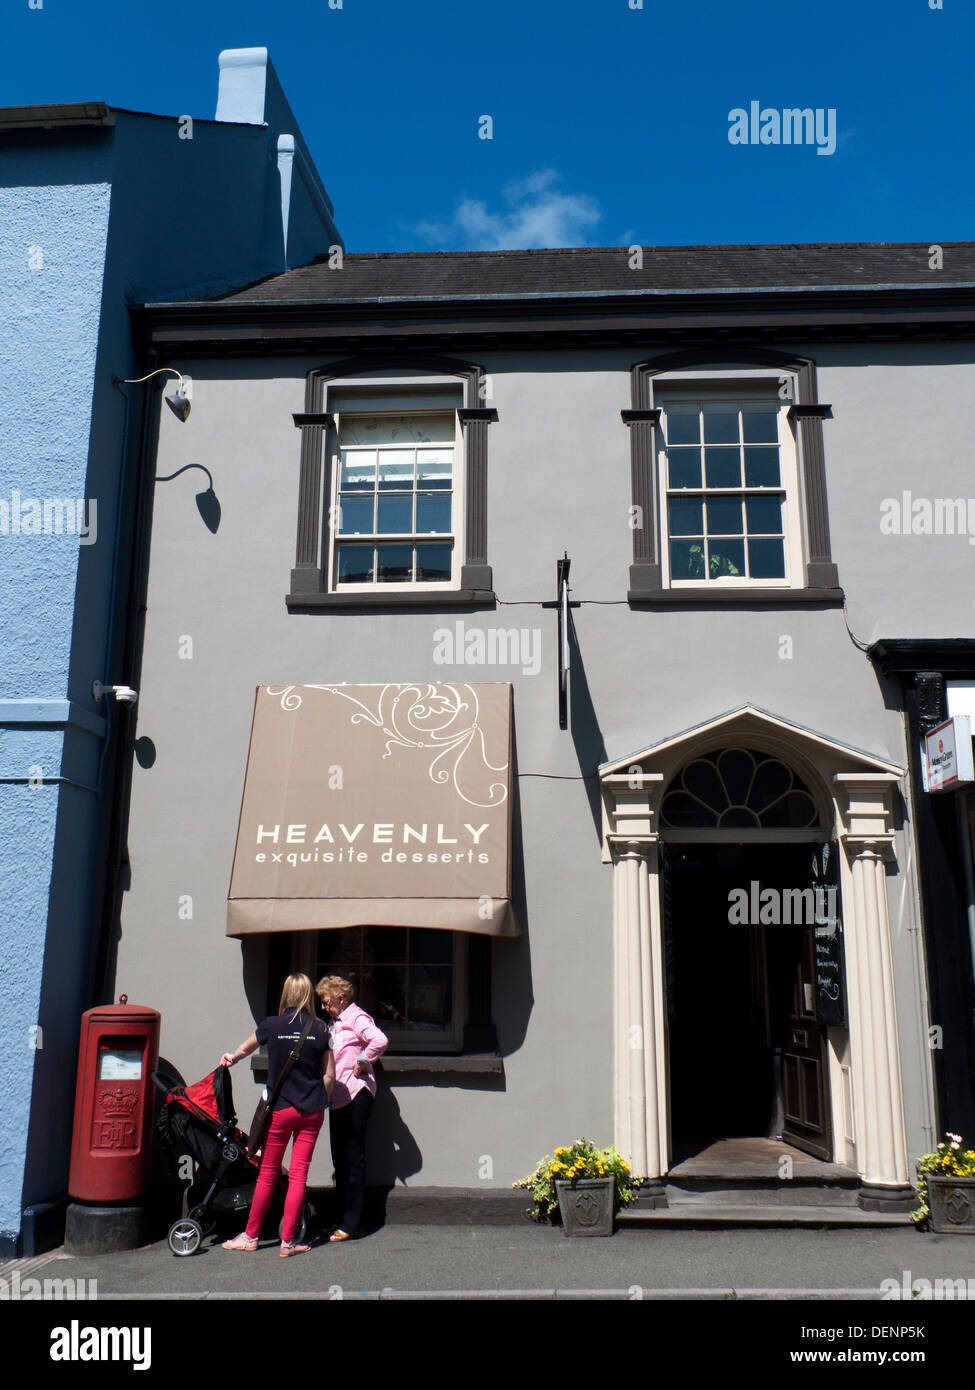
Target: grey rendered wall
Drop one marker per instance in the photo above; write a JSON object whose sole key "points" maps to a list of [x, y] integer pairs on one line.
{"points": [[559, 480]]}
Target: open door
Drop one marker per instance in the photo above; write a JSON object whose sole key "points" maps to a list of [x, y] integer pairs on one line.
{"points": [[814, 955]]}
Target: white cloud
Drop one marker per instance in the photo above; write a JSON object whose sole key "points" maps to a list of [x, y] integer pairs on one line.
{"points": [[538, 214]]}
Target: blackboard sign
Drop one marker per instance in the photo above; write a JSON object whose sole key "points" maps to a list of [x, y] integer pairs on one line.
{"points": [[828, 937], [668, 936]]}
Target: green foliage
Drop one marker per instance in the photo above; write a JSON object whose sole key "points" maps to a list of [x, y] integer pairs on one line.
{"points": [[949, 1160], [581, 1160]]}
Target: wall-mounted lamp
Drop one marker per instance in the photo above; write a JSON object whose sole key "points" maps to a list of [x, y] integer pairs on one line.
{"points": [[178, 402]]}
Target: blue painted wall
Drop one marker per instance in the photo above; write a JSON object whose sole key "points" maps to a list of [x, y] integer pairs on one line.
{"points": [[54, 216], [92, 220]]}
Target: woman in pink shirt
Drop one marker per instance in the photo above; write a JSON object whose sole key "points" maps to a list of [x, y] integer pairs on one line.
{"points": [[356, 1043]]}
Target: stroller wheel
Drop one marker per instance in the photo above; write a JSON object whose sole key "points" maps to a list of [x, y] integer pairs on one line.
{"points": [[304, 1224], [185, 1236]]}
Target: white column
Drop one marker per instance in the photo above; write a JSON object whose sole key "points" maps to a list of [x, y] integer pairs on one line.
{"points": [[863, 802], [640, 1087]]}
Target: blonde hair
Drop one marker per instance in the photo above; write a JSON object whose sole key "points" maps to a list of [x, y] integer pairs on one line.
{"points": [[334, 987], [296, 994]]}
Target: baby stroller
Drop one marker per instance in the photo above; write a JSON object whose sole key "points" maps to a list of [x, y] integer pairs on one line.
{"points": [[199, 1121]]}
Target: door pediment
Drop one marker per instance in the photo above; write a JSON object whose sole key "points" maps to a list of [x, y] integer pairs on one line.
{"points": [[632, 787]]}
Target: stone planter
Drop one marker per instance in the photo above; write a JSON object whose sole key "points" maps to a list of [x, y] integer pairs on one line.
{"points": [[587, 1206], [952, 1204]]}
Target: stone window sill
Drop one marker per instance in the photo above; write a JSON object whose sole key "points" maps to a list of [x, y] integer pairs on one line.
{"points": [[720, 597], [431, 1063], [349, 603]]}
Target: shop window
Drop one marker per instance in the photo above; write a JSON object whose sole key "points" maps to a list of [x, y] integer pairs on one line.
{"points": [[410, 979]]}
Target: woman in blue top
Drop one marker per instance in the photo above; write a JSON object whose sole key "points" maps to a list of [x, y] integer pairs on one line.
{"points": [[298, 1111]]}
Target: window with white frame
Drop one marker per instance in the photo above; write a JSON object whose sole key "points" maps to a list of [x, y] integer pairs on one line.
{"points": [[728, 479], [396, 502]]}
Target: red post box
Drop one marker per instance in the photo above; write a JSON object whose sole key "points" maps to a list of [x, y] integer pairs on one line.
{"points": [[111, 1144]]}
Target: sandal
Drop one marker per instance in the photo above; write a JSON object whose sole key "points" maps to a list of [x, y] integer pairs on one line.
{"points": [[241, 1242], [339, 1234], [288, 1247]]}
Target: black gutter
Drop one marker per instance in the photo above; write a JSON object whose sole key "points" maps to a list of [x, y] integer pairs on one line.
{"points": [[199, 326], [130, 674]]}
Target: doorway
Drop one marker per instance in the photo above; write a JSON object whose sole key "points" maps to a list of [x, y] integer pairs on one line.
{"points": [[747, 1050]]}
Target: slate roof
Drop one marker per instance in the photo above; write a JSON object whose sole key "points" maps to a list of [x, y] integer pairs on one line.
{"points": [[385, 277]]}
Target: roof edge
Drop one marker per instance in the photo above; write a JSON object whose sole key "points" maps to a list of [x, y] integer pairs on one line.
{"points": [[56, 116]]}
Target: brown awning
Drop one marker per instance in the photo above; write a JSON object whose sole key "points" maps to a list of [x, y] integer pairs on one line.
{"points": [[382, 805]]}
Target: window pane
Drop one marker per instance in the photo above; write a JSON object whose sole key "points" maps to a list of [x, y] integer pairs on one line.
{"points": [[684, 467], [772, 780], [726, 557], [762, 468], [683, 427], [764, 515], [737, 769], [358, 470], [429, 998], [687, 559], [389, 983], [721, 426], [394, 563], [385, 945], [760, 426], [431, 947], [356, 564], [686, 516], [766, 559], [434, 467], [432, 512], [355, 515], [395, 515], [433, 563], [396, 429], [395, 469], [722, 467], [339, 952], [724, 516]]}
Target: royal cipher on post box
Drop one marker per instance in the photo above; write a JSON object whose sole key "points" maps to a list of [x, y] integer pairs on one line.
{"points": [[111, 1145]]}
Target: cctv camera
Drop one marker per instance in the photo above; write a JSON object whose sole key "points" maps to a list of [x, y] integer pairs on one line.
{"points": [[124, 694]]}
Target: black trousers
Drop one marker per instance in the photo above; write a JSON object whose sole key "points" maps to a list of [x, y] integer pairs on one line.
{"points": [[347, 1133]]}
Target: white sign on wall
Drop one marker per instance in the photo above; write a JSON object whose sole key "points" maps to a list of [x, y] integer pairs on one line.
{"points": [[947, 761]]}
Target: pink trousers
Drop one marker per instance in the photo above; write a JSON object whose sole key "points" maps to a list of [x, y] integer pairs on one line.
{"points": [[304, 1126]]}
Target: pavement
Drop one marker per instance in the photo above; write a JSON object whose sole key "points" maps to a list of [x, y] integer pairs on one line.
{"points": [[529, 1262], [746, 1300]]}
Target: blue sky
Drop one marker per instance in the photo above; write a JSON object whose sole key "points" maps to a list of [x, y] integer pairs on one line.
{"points": [[610, 124]]}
